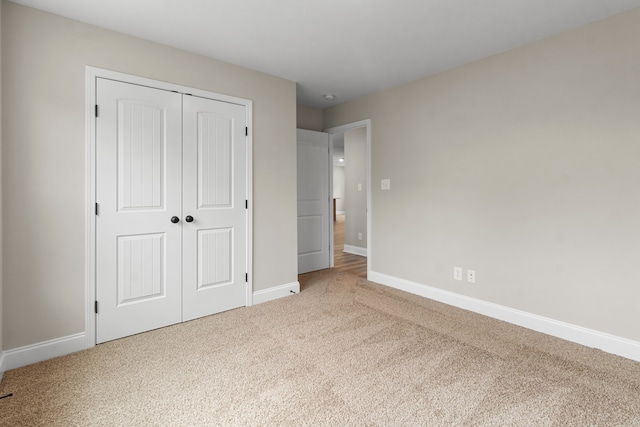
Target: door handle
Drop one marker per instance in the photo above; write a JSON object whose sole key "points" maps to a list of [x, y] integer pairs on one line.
{"points": [[189, 218], [175, 219]]}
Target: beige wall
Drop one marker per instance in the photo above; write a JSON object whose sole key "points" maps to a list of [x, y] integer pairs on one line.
{"points": [[522, 166], [355, 201], [43, 80], [309, 118]]}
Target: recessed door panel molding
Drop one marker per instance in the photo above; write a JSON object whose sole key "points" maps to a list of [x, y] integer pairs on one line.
{"points": [[215, 257], [310, 227], [308, 156], [141, 267], [215, 160], [141, 153]]}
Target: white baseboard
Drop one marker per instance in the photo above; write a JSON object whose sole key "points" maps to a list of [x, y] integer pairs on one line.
{"points": [[23, 356], [340, 212], [577, 334], [355, 250], [276, 292]]}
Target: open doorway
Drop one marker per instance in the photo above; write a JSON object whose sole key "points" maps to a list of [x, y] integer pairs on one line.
{"points": [[350, 185]]}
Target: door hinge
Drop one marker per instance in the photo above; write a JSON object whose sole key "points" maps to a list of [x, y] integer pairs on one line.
{"points": [[246, 277], [96, 209], [96, 307], [96, 110], [246, 131]]}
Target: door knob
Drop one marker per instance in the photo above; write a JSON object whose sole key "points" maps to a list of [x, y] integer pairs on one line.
{"points": [[189, 218], [175, 219]]}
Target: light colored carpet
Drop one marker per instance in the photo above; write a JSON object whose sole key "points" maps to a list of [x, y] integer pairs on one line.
{"points": [[342, 352]]}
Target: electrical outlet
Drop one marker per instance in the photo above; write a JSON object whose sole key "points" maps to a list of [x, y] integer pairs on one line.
{"points": [[471, 276], [385, 184], [457, 273], [359, 186], [359, 236]]}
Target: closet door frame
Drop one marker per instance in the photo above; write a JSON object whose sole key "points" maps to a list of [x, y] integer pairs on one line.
{"points": [[91, 76]]}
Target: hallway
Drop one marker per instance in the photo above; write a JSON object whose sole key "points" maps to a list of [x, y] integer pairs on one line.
{"points": [[349, 263]]}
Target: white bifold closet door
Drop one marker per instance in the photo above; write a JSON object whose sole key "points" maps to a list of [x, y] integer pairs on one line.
{"points": [[171, 220]]}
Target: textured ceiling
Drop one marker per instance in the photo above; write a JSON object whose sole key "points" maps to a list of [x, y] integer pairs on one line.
{"points": [[349, 48]]}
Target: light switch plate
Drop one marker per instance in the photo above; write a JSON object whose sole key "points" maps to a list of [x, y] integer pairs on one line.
{"points": [[457, 273]]}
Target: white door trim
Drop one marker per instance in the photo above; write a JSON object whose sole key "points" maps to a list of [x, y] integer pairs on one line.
{"points": [[341, 129], [91, 74]]}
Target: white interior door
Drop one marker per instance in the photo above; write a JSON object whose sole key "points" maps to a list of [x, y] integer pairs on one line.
{"points": [[214, 197], [171, 224], [138, 180], [313, 201]]}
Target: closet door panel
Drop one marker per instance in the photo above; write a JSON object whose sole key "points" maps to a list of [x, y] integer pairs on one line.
{"points": [[214, 195], [138, 190]]}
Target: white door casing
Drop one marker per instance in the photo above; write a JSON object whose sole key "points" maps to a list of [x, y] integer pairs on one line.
{"points": [[314, 209], [173, 226], [214, 195]]}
